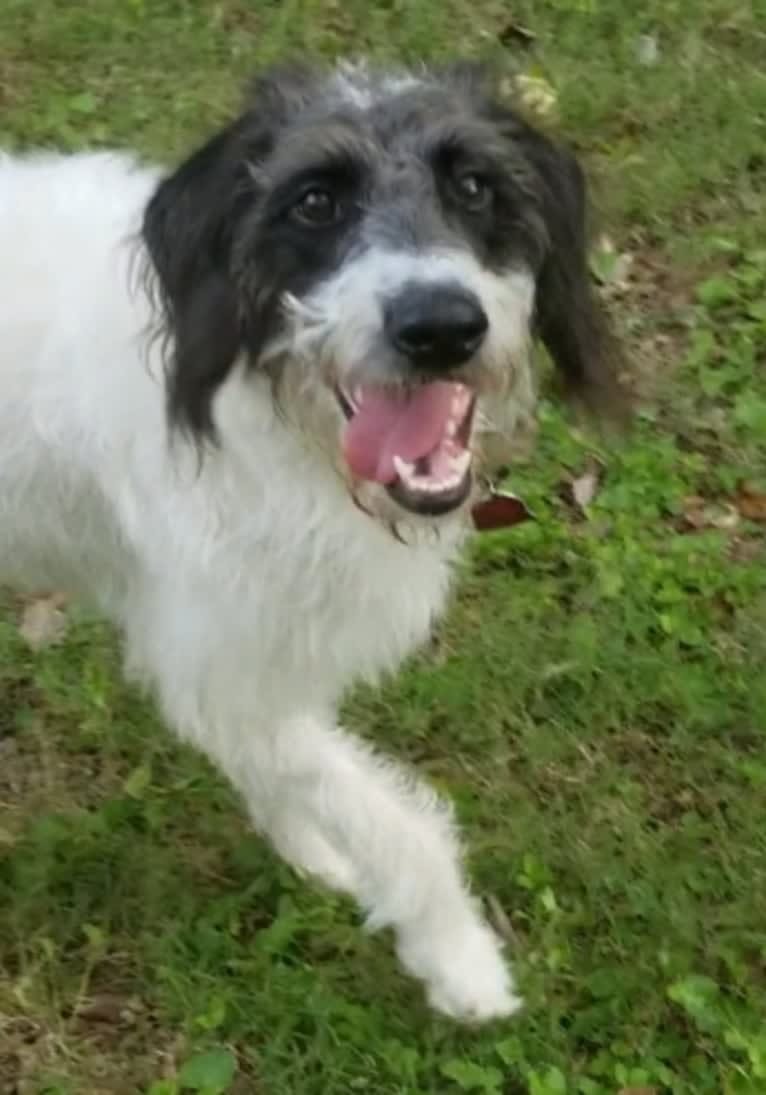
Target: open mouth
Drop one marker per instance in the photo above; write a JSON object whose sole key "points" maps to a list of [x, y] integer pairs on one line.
{"points": [[415, 442]]}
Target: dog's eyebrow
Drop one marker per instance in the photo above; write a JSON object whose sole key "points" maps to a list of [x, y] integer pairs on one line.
{"points": [[471, 140], [337, 144]]}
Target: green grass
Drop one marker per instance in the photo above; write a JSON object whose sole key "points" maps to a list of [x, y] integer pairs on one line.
{"points": [[595, 702]]}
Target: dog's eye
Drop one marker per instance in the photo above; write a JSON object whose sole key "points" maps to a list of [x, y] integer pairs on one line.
{"points": [[317, 208], [473, 192]]}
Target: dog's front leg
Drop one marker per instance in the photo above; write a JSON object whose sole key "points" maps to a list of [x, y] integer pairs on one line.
{"points": [[328, 804], [333, 808]]}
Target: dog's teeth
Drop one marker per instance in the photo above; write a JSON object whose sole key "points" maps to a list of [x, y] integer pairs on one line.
{"points": [[460, 401], [460, 463], [429, 484], [404, 468], [451, 430], [426, 485]]}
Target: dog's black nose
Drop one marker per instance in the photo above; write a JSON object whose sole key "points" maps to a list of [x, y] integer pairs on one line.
{"points": [[435, 326]]}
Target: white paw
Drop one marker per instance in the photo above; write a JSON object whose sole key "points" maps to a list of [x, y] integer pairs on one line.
{"points": [[465, 974]]}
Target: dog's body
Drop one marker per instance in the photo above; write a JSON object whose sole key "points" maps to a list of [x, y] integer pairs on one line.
{"points": [[257, 565]]}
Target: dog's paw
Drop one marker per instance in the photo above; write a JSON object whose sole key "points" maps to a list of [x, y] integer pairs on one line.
{"points": [[475, 988], [465, 975]]}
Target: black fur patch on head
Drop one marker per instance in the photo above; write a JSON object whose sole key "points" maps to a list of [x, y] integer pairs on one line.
{"points": [[321, 165], [189, 230], [570, 319]]}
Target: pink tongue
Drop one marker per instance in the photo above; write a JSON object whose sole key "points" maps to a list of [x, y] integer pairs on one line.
{"points": [[389, 424]]}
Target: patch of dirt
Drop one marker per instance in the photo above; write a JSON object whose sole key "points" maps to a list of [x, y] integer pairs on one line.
{"points": [[102, 1059], [10, 81], [43, 620], [112, 1044], [37, 776], [651, 303]]}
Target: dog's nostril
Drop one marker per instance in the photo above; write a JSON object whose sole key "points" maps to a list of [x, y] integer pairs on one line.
{"points": [[457, 324], [436, 326]]}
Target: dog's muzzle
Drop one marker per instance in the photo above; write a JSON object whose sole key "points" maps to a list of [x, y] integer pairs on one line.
{"points": [[414, 438]]}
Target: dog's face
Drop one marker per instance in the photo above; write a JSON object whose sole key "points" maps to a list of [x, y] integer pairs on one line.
{"points": [[384, 246]]}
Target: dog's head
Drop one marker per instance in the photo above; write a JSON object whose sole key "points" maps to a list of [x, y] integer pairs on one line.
{"points": [[383, 246]]}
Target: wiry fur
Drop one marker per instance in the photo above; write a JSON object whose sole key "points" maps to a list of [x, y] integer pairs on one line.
{"points": [[251, 591]]}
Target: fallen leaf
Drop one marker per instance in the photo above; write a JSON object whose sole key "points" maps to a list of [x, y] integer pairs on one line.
{"points": [[43, 620], [724, 517], [699, 513], [536, 94], [582, 489], [693, 506], [638, 1091], [611, 268], [500, 510], [109, 1008], [751, 503]]}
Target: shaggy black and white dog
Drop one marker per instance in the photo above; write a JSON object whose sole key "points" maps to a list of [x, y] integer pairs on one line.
{"points": [[256, 448]]}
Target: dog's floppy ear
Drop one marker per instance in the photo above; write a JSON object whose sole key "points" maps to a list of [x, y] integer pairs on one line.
{"points": [[571, 320], [188, 230]]}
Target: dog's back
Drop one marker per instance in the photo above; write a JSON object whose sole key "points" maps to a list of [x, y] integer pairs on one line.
{"points": [[62, 221], [66, 320]]}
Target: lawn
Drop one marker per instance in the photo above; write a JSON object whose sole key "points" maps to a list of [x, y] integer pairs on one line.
{"points": [[595, 702]]}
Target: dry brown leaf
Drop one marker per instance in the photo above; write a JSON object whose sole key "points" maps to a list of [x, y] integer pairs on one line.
{"points": [[584, 488], [611, 268], [725, 517], [580, 490], [693, 505], [751, 503], [638, 1091], [536, 94], [43, 620], [699, 513], [108, 1007]]}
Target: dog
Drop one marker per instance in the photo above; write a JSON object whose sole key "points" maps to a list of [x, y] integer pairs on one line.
{"points": [[246, 409]]}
